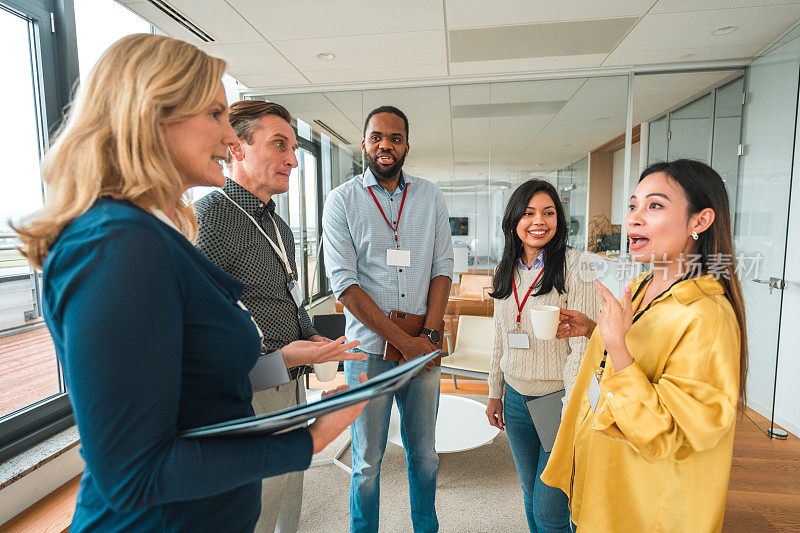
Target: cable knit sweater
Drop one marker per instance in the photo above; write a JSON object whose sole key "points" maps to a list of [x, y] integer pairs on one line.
{"points": [[548, 366]]}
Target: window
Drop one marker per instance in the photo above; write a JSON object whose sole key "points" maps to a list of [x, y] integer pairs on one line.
{"points": [[321, 166], [100, 23], [27, 360], [41, 62], [32, 394]]}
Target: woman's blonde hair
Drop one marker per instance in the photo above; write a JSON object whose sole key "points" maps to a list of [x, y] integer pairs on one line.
{"points": [[113, 142]]}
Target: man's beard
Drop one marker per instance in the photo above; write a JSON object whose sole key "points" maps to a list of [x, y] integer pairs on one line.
{"points": [[379, 173]]}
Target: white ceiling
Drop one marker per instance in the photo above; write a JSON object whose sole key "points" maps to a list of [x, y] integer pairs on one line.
{"points": [[271, 45], [574, 117]]}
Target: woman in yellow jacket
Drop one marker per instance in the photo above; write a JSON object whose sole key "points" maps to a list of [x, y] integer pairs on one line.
{"points": [[646, 440]]}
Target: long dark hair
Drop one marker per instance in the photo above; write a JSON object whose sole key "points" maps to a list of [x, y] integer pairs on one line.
{"points": [[555, 251], [704, 188]]}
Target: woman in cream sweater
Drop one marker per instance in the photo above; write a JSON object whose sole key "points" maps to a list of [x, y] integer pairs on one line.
{"points": [[537, 268]]}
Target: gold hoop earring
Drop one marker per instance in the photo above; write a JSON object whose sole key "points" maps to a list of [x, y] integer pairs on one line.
{"points": [[695, 236]]}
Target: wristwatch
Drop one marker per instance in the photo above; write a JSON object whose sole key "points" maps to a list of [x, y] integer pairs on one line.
{"points": [[432, 334]]}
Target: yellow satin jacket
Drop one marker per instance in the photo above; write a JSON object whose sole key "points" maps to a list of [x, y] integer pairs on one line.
{"points": [[655, 455]]}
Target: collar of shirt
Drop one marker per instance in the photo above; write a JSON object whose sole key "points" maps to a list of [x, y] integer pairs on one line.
{"points": [[537, 263], [370, 180], [162, 216], [249, 201]]}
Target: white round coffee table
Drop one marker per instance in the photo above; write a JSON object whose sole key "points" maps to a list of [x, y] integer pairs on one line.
{"points": [[461, 425]]}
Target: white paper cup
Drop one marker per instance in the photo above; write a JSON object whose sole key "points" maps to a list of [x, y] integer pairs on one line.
{"points": [[326, 371], [545, 321]]}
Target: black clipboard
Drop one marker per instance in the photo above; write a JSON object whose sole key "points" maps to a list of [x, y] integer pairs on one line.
{"points": [[269, 423]]}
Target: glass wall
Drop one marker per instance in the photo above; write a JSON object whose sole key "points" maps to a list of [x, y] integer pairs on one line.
{"points": [[657, 148], [572, 183], [706, 129], [761, 229], [690, 131], [725, 148]]}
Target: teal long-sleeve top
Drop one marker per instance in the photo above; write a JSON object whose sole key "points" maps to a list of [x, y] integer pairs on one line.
{"points": [[151, 341]]}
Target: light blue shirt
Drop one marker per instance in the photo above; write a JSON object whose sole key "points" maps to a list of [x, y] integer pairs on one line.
{"points": [[537, 263], [356, 237]]}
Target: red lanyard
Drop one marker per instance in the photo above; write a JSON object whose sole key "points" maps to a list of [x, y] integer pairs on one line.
{"points": [[402, 202], [519, 307]]}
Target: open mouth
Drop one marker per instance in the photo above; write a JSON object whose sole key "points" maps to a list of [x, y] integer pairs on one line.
{"points": [[537, 233], [385, 159], [637, 241]]}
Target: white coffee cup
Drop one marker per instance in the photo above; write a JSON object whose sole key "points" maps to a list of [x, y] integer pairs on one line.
{"points": [[545, 321], [326, 371]]}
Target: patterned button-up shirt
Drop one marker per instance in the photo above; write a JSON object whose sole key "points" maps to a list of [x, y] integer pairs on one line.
{"points": [[229, 239], [356, 238], [537, 263]]}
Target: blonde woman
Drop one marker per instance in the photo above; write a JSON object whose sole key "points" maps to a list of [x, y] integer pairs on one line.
{"points": [[147, 330]]}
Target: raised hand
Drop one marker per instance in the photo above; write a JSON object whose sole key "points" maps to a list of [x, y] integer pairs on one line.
{"points": [[310, 352], [614, 323]]}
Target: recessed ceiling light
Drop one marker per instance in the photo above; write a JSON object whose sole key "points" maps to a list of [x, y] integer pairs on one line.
{"points": [[723, 30], [326, 56]]}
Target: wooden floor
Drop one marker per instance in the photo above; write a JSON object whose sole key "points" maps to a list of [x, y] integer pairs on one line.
{"points": [[764, 491], [28, 369], [763, 494]]}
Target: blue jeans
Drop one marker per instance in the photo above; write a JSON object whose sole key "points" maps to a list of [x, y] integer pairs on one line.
{"points": [[545, 506], [418, 403]]}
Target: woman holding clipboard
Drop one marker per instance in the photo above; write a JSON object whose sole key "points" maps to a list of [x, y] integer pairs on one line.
{"points": [[149, 332], [646, 440], [537, 268]]}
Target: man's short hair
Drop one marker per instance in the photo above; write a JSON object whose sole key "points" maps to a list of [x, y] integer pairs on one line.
{"points": [[386, 109], [245, 114]]}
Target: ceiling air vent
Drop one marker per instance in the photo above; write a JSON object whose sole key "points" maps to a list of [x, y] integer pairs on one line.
{"points": [[331, 131], [181, 19]]}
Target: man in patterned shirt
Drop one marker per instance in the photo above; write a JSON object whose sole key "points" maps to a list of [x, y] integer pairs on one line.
{"points": [[240, 232], [388, 248]]}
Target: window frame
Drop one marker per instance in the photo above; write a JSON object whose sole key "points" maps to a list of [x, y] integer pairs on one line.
{"points": [[315, 148], [54, 55]]}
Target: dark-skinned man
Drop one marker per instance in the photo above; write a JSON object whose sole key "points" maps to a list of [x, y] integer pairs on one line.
{"points": [[388, 248]]}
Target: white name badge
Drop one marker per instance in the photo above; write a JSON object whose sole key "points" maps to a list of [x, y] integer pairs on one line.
{"points": [[294, 290], [400, 258], [519, 340], [593, 392]]}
